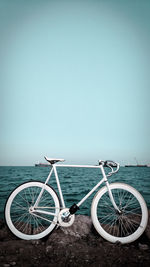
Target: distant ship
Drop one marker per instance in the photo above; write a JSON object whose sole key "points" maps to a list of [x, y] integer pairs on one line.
{"points": [[42, 165], [137, 165]]}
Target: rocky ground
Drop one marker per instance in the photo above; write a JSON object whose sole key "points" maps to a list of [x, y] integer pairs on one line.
{"points": [[78, 245]]}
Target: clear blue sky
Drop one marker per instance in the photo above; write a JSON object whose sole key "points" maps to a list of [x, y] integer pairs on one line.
{"points": [[74, 80]]}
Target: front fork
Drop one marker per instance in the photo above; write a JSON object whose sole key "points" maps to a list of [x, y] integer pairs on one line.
{"points": [[111, 197], [109, 190]]}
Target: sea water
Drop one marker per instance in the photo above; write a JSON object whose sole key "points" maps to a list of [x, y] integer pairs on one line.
{"points": [[75, 182]]}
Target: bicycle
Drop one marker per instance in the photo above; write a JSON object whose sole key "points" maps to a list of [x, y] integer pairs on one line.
{"points": [[118, 211]]}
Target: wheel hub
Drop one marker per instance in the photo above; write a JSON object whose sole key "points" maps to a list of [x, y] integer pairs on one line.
{"points": [[31, 209]]}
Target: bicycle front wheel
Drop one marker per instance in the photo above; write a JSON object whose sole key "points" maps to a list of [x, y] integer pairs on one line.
{"points": [[126, 226], [29, 222]]}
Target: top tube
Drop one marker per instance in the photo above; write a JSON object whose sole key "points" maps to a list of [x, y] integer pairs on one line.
{"points": [[78, 166]]}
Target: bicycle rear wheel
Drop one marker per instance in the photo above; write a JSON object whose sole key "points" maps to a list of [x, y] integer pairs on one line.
{"points": [[126, 226], [20, 217]]}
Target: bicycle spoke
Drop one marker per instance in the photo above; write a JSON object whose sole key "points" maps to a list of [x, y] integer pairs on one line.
{"points": [[45, 219]]}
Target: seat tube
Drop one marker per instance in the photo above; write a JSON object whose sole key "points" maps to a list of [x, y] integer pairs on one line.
{"points": [[59, 187]]}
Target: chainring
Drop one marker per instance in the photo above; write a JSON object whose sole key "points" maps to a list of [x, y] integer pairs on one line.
{"points": [[65, 219]]}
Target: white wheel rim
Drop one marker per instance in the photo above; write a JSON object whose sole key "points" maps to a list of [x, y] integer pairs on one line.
{"points": [[106, 235], [8, 217]]}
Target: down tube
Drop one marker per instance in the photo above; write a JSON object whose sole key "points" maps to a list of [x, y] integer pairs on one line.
{"points": [[90, 193]]}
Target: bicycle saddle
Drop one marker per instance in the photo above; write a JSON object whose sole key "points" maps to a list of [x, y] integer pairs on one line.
{"points": [[53, 161]]}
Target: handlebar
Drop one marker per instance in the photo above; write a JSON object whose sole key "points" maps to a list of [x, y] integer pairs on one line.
{"points": [[110, 164]]}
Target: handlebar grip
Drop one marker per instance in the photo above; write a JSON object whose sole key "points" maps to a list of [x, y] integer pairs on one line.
{"points": [[110, 163]]}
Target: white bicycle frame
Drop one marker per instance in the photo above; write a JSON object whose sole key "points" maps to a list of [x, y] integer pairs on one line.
{"points": [[104, 179]]}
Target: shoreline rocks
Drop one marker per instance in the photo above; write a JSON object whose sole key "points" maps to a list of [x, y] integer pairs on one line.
{"points": [[78, 245]]}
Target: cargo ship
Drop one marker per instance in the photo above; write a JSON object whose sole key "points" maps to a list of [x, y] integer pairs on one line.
{"points": [[137, 164], [42, 165]]}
